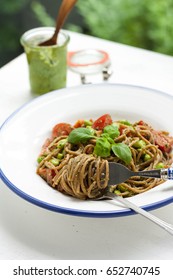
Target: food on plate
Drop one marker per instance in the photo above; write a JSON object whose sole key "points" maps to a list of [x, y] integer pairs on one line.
{"points": [[74, 160]]}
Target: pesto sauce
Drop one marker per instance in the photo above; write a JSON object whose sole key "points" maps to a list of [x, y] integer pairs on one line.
{"points": [[47, 68]]}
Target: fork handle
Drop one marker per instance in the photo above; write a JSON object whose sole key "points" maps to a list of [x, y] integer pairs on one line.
{"points": [[157, 221], [165, 174]]}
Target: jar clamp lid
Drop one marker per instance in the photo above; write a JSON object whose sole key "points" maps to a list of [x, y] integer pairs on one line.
{"points": [[90, 62]]}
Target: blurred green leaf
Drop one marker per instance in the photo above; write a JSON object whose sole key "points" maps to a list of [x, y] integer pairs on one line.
{"points": [[141, 23], [41, 14], [12, 6]]}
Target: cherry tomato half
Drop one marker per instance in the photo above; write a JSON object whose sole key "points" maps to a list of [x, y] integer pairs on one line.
{"points": [[61, 129], [164, 142], [79, 123], [101, 122]]}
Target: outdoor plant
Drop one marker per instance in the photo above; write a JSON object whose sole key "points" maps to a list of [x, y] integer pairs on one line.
{"points": [[10, 28], [141, 23]]}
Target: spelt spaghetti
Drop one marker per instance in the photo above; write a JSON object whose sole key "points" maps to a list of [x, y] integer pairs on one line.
{"points": [[75, 161]]}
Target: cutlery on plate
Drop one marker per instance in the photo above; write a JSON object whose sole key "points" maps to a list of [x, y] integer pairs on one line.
{"points": [[118, 173], [107, 194]]}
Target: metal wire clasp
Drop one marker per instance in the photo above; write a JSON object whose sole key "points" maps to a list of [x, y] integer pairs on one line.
{"points": [[90, 62]]}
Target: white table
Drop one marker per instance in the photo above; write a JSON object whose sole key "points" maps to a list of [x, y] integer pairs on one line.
{"points": [[30, 232]]}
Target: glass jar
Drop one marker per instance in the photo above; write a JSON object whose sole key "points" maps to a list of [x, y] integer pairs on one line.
{"points": [[47, 64], [91, 64]]}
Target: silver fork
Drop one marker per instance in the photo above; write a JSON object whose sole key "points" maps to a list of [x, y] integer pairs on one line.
{"points": [[118, 173], [107, 194]]}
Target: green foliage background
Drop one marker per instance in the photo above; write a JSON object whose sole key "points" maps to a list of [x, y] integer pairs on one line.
{"points": [[10, 29], [146, 24], [142, 23]]}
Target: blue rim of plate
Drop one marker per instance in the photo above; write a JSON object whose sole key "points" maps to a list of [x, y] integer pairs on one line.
{"points": [[77, 212]]}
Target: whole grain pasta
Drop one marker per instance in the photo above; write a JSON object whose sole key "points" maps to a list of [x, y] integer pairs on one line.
{"points": [[74, 160]]}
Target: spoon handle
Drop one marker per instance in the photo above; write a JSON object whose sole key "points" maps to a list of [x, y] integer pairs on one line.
{"points": [[157, 221], [64, 10]]}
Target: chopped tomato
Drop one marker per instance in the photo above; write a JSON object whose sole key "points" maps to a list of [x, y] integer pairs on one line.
{"points": [[45, 145], [141, 122], [101, 122], [42, 173], [121, 128], [47, 174], [50, 175], [61, 129], [79, 123], [164, 142]]}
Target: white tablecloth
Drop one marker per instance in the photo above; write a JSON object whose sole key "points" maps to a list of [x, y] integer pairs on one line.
{"points": [[30, 232]]}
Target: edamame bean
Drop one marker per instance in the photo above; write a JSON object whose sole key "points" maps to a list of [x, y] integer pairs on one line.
{"points": [[54, 161], [139, 144]]}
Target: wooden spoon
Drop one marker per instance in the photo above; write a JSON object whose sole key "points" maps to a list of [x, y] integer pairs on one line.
{"points": [[64, 10]]}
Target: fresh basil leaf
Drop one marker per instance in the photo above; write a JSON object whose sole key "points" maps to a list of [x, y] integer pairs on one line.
{"points": [[102, 147], [106, 135], [80, 135], [122, 151], [111, 130]]}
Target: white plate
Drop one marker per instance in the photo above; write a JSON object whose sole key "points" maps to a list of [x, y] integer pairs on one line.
{"points": [[24, 132]]}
